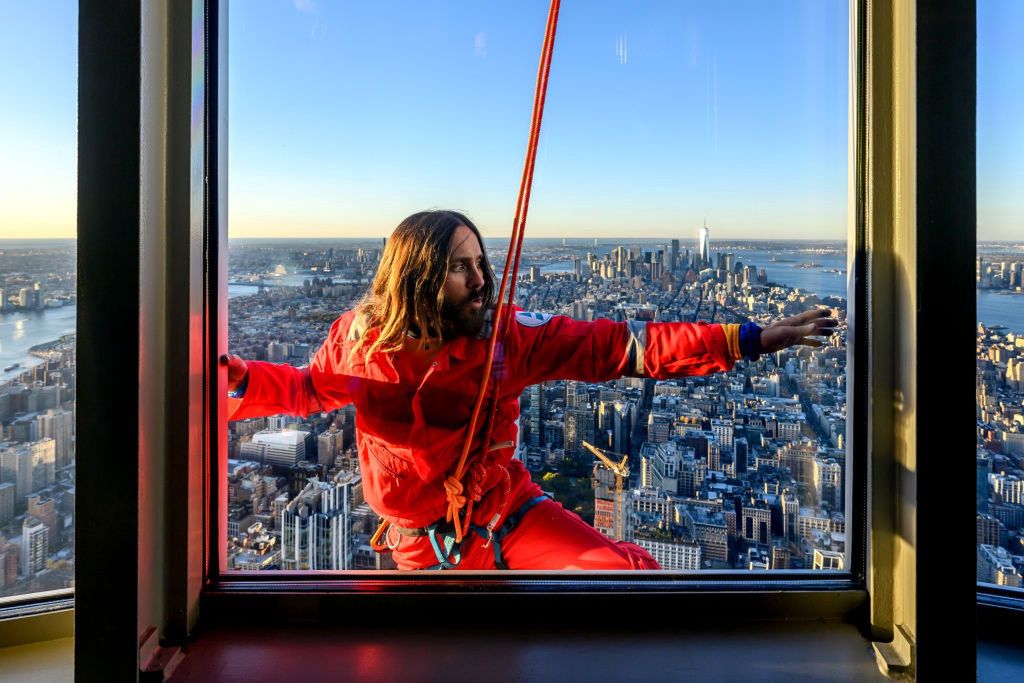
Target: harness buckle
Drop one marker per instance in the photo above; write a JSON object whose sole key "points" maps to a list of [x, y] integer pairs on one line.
{"points": [[490, 529]]}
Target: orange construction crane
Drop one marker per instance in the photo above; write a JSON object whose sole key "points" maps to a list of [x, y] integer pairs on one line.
{"points": [[621, 471]]}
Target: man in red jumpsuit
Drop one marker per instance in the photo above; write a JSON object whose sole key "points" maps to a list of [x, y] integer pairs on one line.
{"points": [[410, 357]]}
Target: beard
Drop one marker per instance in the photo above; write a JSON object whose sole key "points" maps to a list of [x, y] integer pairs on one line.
{"points": [[463, 319]]}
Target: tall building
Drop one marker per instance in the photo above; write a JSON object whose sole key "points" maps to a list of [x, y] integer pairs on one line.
{"points": [[828, 482], [704, 247], [983, 468], [58, 425], [659, 426], [622, 426], [742, 449], [43, 463], [579, 427], [660, 464], [10, 554], [990, 531], [723, 429], [316, 526], [1007, 488], [756, 524], [329, 444], [790, 515], [44, 508], [538, 411], [16, 468], [674, 265], [799, 458], [6, 502], [576, 394], [35, 544]]}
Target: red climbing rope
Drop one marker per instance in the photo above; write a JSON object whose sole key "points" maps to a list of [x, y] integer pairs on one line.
{"points": [[454, 483]]}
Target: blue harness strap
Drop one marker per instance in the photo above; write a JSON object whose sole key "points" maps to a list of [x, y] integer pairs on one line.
{"points": [[443, 549], [446, 559]]}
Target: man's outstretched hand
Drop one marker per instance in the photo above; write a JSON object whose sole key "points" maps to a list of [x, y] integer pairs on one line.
{"points": [[798, 329], [237, 369]]}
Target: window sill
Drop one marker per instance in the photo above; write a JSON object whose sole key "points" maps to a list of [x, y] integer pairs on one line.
{"points": [[49, 661], [626, 647]]}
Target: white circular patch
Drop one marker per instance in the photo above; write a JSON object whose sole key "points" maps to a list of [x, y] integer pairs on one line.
{"points": [[532, 319]]}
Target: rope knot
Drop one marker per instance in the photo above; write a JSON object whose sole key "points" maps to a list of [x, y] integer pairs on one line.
{"points": [[454, 488]]}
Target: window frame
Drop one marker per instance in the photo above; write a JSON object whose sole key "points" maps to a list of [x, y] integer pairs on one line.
{"points": [[838, 594], [900, 42]]}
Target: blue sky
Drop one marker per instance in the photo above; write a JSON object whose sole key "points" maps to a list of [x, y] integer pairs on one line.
{"points": [[347, 116]]}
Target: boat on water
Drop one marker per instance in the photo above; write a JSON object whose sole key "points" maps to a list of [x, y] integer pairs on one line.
{"points": [[12, 366]]}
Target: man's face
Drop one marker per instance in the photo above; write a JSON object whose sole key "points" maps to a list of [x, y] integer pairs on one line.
{"points": [[463, 305]]}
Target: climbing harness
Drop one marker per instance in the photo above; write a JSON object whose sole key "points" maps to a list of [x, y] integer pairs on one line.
{"points": [[449, 552]]}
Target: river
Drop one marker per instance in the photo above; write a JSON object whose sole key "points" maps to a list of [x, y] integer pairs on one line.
{"points": [[20, 331]]}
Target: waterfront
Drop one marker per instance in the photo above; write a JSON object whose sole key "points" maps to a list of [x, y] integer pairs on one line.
{"points": [[21, 330]]}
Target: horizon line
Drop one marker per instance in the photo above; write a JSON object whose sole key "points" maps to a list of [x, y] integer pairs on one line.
{"points": [[494, 237]]}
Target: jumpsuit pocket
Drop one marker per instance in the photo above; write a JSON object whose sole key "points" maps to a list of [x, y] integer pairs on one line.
{"points": [[389, 462]]}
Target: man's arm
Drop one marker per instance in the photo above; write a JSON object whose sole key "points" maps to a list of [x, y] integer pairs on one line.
{"points": [[257, 388], [273, 389], [558, 347]]}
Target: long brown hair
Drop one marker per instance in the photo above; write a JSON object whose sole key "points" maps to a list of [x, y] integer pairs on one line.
{"points": [[407, 293]]}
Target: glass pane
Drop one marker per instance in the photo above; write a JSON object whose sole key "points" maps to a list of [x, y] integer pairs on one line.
{"points": [[692, 167], [1000, 390], [39, 53]]}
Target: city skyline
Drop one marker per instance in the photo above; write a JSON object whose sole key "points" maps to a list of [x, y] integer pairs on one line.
{"points": [[759, 446], [655, 119]]}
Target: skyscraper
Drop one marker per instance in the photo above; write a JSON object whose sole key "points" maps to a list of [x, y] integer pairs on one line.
{"points": [[16, 468], [328, 445], [742, 452], [579, 427], [35, 543], [316, 527], [704, 246], [59, 426], [537, 414], [43, 463]]}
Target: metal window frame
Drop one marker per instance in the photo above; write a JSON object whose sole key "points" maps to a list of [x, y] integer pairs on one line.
{"points": [[227, 595], [110, 275], [915, 582]]}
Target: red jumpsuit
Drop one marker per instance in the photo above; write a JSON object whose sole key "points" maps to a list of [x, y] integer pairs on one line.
{"points": [[410, 438]]}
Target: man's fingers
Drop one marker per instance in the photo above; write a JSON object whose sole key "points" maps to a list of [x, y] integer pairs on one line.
{"points": [[815, 314], [821, 318], [807, 330], [806, 317]]}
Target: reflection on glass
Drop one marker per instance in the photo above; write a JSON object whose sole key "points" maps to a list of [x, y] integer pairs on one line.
{"points": [[999, 488], [692, 168], [38, 46]]}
